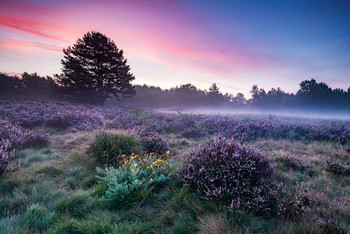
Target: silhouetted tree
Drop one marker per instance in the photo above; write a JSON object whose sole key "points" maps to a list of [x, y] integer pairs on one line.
{"points": [[274, 98], [95, 66], [186, 95], [314, 94], [228, 97], [9, 85], [239, 99], [35, 86], [214, 96], [258, 96]]}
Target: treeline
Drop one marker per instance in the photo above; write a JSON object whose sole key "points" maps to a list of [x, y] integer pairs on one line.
{"points": [[27, 86], [311, 95]]}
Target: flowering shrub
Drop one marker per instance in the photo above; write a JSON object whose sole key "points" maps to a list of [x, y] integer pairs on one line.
{"points": [[128, 119], [57, 115], [249, 127], [107, 147], [347, 148], [76, 121], [6, 157], [20, 137], [82, 117], [329, 225], [290, 205], [151, 141], [135, 173], [336, 168], [227, 171], [192, 132], [293, 163]]}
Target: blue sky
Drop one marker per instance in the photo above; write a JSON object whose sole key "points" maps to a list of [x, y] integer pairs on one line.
{"points": [[234, 43]]}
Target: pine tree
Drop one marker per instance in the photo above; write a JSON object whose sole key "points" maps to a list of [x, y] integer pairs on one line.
{"points": [[95, 67]]}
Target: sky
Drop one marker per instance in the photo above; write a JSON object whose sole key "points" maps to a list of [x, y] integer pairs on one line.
{"points": [[235, 44]]}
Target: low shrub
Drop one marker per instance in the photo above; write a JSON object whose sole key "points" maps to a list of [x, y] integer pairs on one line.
{"points": [[329, 225], [135, 173], [192, 132], [151, 141], [20, 137], [336, 168], [6, 157], [56, 115], [107, 147], [292, 163], [292, 204], [229, 172], [76, 120], [347, 149]]}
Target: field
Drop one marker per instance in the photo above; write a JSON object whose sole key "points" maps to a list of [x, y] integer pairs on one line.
{"points": [[84, 169]]}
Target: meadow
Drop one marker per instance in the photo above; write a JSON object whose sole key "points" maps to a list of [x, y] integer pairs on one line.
{"points": [[70, 168]]}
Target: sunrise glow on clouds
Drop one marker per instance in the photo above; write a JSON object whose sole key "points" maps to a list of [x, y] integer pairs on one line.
{"points": [[167, 43]]}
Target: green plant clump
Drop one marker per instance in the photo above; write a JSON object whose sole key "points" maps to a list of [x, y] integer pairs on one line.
{"points": [[134, 174], [107, 146]]}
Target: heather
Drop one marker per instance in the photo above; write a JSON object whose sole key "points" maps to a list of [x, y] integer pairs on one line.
{"points": [[224, 170], [50, 114], [241, 178], [145, 171], [6, 157], [151, 141], [249, 127], [21, 137]]}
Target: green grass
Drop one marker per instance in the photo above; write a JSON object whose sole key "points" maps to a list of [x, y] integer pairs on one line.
{"points": [[107, 145], [56, 191]]}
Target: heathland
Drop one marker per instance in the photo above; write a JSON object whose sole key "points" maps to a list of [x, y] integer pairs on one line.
{"points": [[73, 168]]}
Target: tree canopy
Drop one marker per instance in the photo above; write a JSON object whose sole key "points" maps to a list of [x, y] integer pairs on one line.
{"points": [[95, 66]]}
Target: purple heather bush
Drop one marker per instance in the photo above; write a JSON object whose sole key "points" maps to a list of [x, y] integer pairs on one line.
{"points": [[347, 148], [130, 118], [337, 169], [329, 225], [57, 115], [83, 120], [6, 156], [249, 127], [20, 137], [151, 141], [292, 163], [292, 204], [235, 174]]}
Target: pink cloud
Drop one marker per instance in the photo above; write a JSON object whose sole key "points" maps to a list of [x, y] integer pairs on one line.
{"points": [[160, 31], [29, 26], [28, 46]]}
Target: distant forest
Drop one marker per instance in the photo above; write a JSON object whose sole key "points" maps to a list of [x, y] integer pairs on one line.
{"points": [[312, 95]]}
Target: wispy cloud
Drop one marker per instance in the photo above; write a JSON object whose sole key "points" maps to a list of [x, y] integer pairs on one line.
{"points": [[28, 46], [327, 46], [30, 26]]}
